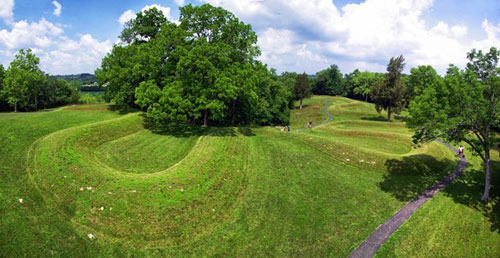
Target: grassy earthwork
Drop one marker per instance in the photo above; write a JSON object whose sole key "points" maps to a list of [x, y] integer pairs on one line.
{"points": [[229, 191]]}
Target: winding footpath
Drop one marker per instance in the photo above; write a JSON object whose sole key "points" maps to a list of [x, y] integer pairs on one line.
{"points": [[325, 111], [371, 245]]}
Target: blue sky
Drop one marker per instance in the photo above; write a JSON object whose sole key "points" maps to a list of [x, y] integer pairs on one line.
{"points": [[298, 35]]}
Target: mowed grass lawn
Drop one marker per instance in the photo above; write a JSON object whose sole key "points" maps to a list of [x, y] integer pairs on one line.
{"points": [[214, 192]]}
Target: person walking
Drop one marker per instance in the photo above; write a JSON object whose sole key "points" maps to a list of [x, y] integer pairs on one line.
{"points": [[461, 150]]}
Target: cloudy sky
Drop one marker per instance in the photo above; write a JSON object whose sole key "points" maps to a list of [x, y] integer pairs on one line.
{"points": [[72, 36]]}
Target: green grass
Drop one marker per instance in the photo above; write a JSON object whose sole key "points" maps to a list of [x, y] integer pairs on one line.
{"points": [[212, 192], [454, 223]]}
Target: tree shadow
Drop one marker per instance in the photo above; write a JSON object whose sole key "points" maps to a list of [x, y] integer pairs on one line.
{"points": [[468, 189], [183, 129], [122, 110], [374, 118], [409, 177], [412, 175], [247, 131]]}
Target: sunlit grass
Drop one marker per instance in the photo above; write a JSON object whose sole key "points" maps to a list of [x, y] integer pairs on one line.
{"points": [[215, 192]]}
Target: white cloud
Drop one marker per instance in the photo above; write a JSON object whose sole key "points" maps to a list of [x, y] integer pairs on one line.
{"points": [[24, 34], [7, 10], [130, 14], [179, 2], [58, 54], [57, 9], [365, 34], [126, 16]]}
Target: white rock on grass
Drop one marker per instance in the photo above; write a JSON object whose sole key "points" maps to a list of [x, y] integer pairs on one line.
{"points": [[81, 188], [20, 200], [89, 187], [91, 236], [102, 208], [347, 159]]}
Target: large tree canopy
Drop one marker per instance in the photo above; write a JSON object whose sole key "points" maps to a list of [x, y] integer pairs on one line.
{"points": [[462, 107], [202, 70]]}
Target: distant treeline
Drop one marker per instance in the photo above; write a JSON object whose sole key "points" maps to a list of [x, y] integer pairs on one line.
{"points": [[80, 79], [25, 87]]}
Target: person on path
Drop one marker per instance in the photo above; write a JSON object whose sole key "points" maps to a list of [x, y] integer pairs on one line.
{"points": [[461, 150]]}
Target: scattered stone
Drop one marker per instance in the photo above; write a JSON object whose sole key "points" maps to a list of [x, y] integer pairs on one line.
{"points": [[134, 191], [213, 210], [347, 159], [361, 160], [182, 189], [20, 200], [110, 208], [89, 187], [102, 208], [81, 188], [91, 236], [110, 193]]}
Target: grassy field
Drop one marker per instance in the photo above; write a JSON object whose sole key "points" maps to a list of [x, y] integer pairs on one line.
{"points": [[220, 191]]}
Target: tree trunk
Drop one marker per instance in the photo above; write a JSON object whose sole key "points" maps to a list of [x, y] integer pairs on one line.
{"points": [[234, 112], [300, 104], [15, 108], [389, 114], [486, 194], [366, 98], [205, 117]]}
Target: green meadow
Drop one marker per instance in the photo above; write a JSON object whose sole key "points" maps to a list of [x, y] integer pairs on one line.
{"points": [[97, 183]]}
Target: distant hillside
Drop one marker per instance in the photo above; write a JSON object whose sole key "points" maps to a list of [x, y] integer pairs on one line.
{"points": [[83, 78]]}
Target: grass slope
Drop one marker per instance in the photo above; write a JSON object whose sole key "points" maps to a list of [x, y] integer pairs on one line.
{"points": [[215, 192]]}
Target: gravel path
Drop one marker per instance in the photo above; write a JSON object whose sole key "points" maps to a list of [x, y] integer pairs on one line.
{"points": [[371, 245], [325, 111]]}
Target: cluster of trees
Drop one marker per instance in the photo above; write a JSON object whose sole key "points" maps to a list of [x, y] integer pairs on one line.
{"points": [[356, 85], [202, 70], [80, 80], [461, 106], [23, 86]]}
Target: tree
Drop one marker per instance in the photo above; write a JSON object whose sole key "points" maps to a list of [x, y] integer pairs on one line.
{"points": [[329, 82], [202, 70], [56, 92], [289, 79], [143, 27], [365, 81], [463, 107], [390, 95], [3, 102], [420, 78], [22, 80], [302, 88]]}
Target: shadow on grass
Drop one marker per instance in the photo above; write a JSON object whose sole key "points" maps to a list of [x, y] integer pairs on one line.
{"points": [[179, 129], [122, 110], [410, 176], [468, 189], [375, 118]]}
